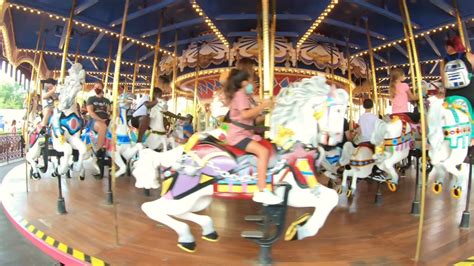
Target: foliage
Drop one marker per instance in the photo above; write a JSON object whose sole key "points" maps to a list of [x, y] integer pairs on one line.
{"points": [[12, 95]]}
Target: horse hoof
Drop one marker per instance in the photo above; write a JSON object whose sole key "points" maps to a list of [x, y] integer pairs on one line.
{"points": [[291, 232], [188, 247], [35, 176], [68, 174], [81, 178], [437, 188], [98, 177], [349, 193], [456, 192], [212, 237], [391, 186]]}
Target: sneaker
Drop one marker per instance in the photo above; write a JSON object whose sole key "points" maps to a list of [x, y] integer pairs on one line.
{"points": [[266, 197]]}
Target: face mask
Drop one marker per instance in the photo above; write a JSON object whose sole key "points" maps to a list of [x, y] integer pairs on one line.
{"points": [[249, 88]]}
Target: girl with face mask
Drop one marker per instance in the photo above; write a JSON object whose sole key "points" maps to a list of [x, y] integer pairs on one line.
{"points": [[238, 91]]}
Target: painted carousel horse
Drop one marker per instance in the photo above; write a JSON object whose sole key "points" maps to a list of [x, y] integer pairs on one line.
{"points": [[125, 149], [157, 137], [66, 124], [449, 136], [330, 164], [36, 141], [306, 113], [393, 141]]}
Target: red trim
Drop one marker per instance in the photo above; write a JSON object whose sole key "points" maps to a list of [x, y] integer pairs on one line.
{"points": [[233, 195], [56, 254]]}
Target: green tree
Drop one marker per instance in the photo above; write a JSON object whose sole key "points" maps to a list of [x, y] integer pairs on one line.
{"points": [[11, 95]]}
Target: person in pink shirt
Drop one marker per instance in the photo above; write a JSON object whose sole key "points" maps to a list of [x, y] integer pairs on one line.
{"points": [[401, 94], [238, 91]]}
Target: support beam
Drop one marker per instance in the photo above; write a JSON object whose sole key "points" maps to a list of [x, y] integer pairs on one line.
{"points": [[175, 26], [433, 45], [96, 42], [354, 28], [145, 57], [401, 50], [93, 63], [254, 33], [127, 46], [63, 37], [297, 17], [66, 42], [444, 6], [82, 7], [191, 40], [143, 12], [334, 41], [381, 59], [381, 11]]}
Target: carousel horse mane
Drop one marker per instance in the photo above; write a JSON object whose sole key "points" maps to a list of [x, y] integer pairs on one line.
{"points": [[378, 136], [72, 85], [435, 120], [291, 104]]}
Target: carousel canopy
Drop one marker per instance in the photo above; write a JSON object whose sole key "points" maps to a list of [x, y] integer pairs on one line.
{"points": [[307, 31]]}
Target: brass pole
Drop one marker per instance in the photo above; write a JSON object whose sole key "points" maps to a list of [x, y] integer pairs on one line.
{"points": [[67, 41], [267, 79], [136, 69], [38, 76], [78, 45], [349, 78], [195, 96], [372, 67], [25, 134], [272, 44], [410, 57], [155, 73], [462, 35], [260, 58], [115, 88], [423, 127], [175, 73], [332, 60], [107, 70]]}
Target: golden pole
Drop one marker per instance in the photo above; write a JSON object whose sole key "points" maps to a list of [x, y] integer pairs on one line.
{"points": [[136, 69], [260, 58], [25, 134], [423, 127], [107, 70], [410, 57], [67, 41], [462, 35], [272, 44], [175, 73], [349, 78], [155, 73], [267, 79], [195, 97], [76, 56], [372, 67], [38, 75], [115, 88]]}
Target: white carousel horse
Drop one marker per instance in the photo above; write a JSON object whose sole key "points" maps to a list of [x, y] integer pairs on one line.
{"points": [[36, 142], [66, 123], [449, 136], [306, 113], [393, 141], [158, 136], [330, 163], [358, 164]]}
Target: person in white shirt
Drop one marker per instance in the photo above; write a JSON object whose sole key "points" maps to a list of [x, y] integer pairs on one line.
{"points": [[141, 118], [366, 122]]}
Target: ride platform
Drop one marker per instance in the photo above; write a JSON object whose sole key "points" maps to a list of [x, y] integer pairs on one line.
{"points": [[357, 232]]}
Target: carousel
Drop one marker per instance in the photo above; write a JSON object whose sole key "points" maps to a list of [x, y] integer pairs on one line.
{"points": [[252, 138]]}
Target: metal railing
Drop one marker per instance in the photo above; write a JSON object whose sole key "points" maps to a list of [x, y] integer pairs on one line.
{"points": [[11, 147]]}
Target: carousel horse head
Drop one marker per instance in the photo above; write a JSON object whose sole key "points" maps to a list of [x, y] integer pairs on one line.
{"points": [[310, 112], [71, 87]]}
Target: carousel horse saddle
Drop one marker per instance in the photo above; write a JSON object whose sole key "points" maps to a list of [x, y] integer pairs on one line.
{"points": [[403, 117], [71, 123], [367, 145], [241, 155]]}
